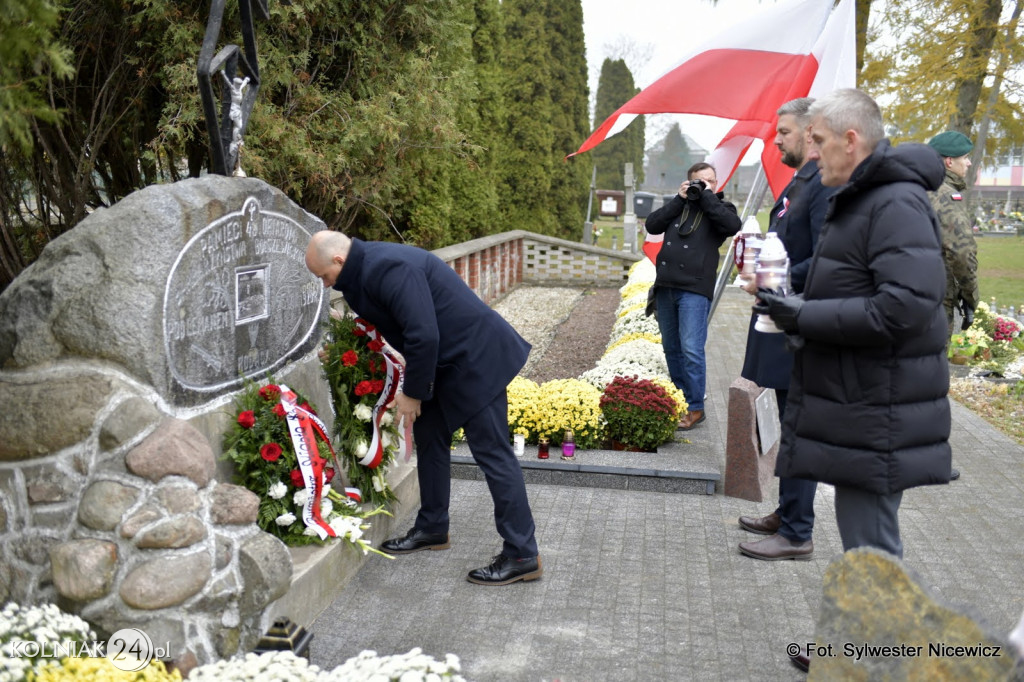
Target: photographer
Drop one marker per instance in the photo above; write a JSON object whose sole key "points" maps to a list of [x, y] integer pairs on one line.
{"points": [[696, 222]]}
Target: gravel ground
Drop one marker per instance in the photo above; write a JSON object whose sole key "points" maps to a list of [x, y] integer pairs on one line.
{"points": [[568, 328]]}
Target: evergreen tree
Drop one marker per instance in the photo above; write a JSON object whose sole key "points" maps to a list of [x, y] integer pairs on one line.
{"points": [[614, 88], [370, 124], [530, 135], [668, 161], [570, 180]]}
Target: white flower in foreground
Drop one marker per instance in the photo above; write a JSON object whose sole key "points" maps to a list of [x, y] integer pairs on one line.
{"points": [[363, 412], [326, 508], [285, 519], [362, 448], [277, 491], [300, 497], [378, 483], [386, 440], [387, 418]]}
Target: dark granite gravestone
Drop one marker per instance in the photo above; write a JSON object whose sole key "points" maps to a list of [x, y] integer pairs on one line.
{"points": [[749, 460], [190, 287]]}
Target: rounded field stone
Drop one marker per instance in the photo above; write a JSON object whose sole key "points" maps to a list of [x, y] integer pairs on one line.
{"points": [[104, 503], [164, 582]]}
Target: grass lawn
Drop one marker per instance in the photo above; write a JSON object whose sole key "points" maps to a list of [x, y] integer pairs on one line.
{"points": [[1001, 270]]}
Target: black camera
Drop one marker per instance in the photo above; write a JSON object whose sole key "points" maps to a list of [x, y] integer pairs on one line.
{"points": [[695, 188]]}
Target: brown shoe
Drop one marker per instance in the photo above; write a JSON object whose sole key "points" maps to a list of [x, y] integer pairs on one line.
{"points": [[691, 419], [775, 547], [764, 525]]}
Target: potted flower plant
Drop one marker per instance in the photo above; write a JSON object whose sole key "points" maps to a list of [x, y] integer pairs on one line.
{"points": [[639, 414]]}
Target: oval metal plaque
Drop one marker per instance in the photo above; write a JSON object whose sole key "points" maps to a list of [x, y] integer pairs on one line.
{"points": [[239, 299]]}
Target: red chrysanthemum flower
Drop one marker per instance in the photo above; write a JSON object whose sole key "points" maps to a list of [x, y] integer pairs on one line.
{"points": [[247, 419], [349, 358], [270, 452], [270, 392]]}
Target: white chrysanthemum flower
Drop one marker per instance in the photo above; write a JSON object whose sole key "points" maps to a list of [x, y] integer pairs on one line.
{"points": [[277, 491], [285, 519], [300, 497], [326, 508]]}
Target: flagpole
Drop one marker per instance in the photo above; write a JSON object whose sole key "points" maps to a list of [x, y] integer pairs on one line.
{"points": [[754, 199]]}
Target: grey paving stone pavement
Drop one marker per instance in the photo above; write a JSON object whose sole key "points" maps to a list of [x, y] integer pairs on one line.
{"points": [[650, 586]]}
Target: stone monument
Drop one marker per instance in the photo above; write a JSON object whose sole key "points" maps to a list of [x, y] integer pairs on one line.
{"points": [[121, 349]]}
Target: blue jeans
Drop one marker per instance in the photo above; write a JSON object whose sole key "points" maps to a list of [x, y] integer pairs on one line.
{"points": [[683, 319]]}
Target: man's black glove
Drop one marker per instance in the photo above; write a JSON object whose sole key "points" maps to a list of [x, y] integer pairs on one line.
{"points": [[968, 313], [783, 310]]}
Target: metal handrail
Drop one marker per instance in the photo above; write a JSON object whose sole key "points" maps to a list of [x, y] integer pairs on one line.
{"points": [[754, 199]]}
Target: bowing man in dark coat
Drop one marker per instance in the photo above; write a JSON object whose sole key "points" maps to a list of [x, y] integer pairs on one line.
{"points": [[797, 218], [460, 356]]}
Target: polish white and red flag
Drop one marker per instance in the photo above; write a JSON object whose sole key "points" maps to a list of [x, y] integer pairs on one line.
{"points": [[791, 49]]}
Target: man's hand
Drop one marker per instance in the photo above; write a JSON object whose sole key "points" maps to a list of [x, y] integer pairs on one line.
{"points": [[748, 283], [968, 313], [406, 409], [784, 310]]}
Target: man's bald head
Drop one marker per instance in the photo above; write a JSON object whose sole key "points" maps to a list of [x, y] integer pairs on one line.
{"points": [[326, 254]]}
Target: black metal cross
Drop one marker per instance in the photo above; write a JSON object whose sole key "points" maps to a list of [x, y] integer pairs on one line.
{"points": [[240, 82]]}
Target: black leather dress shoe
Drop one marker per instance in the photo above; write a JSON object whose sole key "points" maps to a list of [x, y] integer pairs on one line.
{"points": [[504, 570], [416, 541]]}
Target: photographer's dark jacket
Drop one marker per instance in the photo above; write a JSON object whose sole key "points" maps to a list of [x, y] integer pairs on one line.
{"points": [[867, 401], [694, 231]]}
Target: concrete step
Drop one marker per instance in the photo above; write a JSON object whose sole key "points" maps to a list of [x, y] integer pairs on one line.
{"points": [[682, 466]]}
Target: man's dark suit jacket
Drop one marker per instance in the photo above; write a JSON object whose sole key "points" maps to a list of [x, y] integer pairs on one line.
{"points": [[457, 350], [797, 217]]}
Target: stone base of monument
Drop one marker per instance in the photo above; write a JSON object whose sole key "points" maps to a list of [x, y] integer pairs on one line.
{"points": [[879, 622], [319, 574], [753, 421]]}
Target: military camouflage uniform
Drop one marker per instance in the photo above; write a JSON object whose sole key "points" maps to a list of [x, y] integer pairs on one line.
{"points": [[959, 250]]}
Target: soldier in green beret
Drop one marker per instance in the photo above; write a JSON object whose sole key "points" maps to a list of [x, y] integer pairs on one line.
{"points": [[959, 250]]}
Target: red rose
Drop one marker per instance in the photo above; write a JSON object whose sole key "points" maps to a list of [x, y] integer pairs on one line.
{"points": [[247, 419], [378, 385], [270, 392], [278, 410], [376, 345], [364, 387], [270, 452], [297, 480], [349, 358], [328, 475]]}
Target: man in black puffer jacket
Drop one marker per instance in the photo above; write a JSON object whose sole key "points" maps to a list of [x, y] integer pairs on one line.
{"points": [[867, 409]]}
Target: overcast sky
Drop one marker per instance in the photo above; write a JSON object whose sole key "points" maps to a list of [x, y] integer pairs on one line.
{"points": [[660, 31]]}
